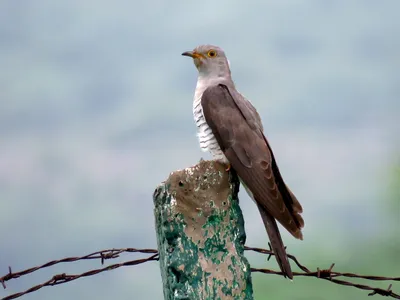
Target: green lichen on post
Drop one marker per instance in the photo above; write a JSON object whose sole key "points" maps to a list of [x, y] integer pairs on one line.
{"points": [[200, 235]]}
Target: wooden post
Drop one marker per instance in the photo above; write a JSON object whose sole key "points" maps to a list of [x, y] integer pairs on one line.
{"points": [[200, 235]]}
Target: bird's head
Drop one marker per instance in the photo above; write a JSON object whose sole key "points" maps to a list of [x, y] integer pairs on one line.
{"points": [[210, 60]]}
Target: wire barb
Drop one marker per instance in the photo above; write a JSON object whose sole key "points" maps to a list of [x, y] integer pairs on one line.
{"points": [[387, 292], [325, 274]]}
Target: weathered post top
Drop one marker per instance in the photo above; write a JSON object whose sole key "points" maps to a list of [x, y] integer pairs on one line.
{"points": [[200, 234]]}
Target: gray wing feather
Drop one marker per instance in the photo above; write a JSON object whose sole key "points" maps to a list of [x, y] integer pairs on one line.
{"points": [[247, 109], [237, 127]]}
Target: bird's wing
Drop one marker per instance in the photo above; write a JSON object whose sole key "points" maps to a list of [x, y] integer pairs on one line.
{"points": [[237, 127]]}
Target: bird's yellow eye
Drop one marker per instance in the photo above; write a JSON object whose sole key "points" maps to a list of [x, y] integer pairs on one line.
{"points": [[212, 53]]}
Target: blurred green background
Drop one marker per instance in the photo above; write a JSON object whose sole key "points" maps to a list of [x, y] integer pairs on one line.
{"points": [[96, 110]]}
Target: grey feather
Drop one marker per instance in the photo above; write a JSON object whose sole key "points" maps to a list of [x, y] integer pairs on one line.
{"points": [[231, 129]]}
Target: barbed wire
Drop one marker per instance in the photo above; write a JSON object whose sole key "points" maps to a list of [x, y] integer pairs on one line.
{"points": [[326, 274], [63, 278], [103, 255], [330, 275]]}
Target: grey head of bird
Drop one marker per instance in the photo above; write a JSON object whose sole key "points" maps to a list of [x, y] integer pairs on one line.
{"points": [[210, 61]]}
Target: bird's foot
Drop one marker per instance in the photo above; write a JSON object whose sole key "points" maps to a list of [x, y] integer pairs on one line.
{"points": [[228, 167]]}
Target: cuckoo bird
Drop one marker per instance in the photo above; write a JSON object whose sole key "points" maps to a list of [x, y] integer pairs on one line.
{"points": [[230, 128]]}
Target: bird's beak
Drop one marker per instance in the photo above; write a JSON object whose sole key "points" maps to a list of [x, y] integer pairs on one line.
{"points": [[192, 54]]}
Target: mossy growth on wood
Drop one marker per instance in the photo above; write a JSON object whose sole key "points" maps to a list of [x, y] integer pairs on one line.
{"points": [[200, 235]]}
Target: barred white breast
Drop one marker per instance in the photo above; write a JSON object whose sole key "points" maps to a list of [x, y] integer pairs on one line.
{"points": [[206, 138]]}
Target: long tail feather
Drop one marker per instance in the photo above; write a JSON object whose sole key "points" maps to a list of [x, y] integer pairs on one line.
{"points": [[276, 242]]}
